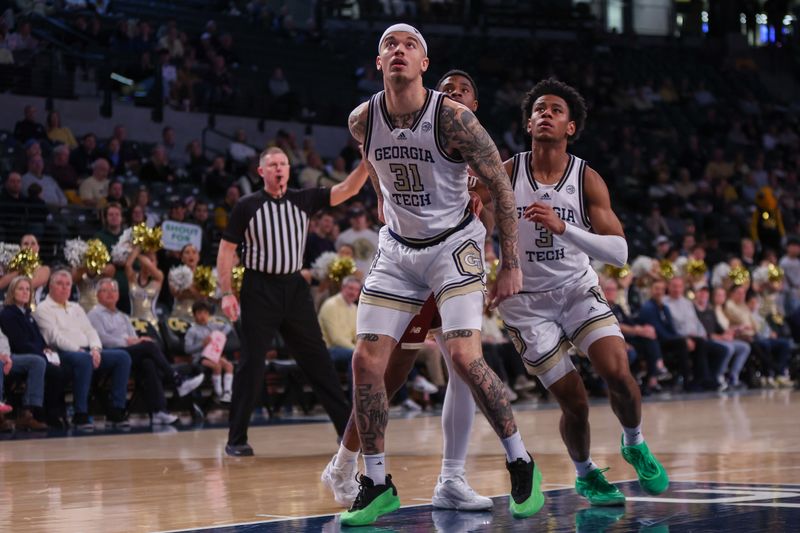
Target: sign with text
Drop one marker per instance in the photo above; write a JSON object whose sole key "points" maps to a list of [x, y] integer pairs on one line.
{"points": [[176, 235]]}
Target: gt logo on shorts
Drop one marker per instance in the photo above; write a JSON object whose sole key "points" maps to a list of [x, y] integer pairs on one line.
{"points": [[469, 259]]}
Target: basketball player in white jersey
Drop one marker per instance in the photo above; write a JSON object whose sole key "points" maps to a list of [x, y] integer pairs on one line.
{"points": [[566, 218], [458, 412], [418, 144]]}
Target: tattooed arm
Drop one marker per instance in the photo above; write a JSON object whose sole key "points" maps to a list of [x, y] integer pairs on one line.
{"points": [[358, 129], [461, 133]]}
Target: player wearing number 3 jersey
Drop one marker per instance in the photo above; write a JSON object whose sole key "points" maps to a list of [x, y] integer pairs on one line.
{"points": [[565, 218]]}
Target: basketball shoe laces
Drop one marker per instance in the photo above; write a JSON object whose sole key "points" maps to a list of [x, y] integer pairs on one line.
{"points": [[643, 463], [599, 482], [521, 480]]}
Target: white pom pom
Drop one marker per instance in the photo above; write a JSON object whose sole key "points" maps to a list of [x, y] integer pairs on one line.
{"points": [[319, 269], [7, 253], [181, 277], [74, 251], [120, 252], [718, 275]]}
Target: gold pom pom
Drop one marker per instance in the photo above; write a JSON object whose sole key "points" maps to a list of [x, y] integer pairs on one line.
{"points": [[237, 275], [739, 276], [340, 268], [696, 267], [97, 256], [774, 273], [491, 277], [148, 239], [611, 271], [25, 262], [666, 269], [204, 281]]}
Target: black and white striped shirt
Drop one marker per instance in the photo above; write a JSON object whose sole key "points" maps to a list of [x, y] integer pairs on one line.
{"points": [[274, 231]]}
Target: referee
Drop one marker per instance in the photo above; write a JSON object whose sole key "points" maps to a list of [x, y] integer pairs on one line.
{"points": [[273, 224]]}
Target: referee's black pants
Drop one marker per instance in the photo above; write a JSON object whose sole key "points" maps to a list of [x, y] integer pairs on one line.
{"points": [[281, 303]]}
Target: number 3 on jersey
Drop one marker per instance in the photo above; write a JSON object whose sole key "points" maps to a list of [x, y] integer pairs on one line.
{"points": [[545, 239], [406, 177]]}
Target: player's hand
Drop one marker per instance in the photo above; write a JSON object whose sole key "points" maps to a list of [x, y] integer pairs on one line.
{"points": [[508, 283], [545, 215], [230, 306], [380, 210], [475, 203]]}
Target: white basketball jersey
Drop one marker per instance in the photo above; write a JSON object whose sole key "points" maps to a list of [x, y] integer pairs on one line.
{"points": [[548, 261], [424, 189]]}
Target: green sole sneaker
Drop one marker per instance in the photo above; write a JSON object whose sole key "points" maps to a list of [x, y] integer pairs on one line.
{"points": [[371, 503], [652, 475], [597, 490], [535, 501]]}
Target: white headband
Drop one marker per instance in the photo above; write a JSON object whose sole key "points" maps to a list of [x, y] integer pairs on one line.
{"points": [[408, 28]]}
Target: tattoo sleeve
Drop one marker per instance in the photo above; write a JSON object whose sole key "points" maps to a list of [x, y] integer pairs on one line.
{"points": [[490, 396], [357, 122], [460, 131], [372, 412]]}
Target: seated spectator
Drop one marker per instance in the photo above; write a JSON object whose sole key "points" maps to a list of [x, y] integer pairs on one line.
{"points": [[198, 337], [28, 128], [128, 152], [176, 158], [219, 84], [171, 43], [145, 285], [94, 189], [142, 199], [32, 367], [337, 320], [240, 152], [113, 154], [57, 133], [109, 235], [66, 327], [217, 179], [322, 234], [36, 210], [116, 195], [13, 205], [313, 175], [149, 365], [338, 170], [198, 162], [24, 338], [200, 216], [51, 192], [224, 48], [737, 351], [361, 237], [42, 273], [223, 211], [82, 157], [22, 40], [157, 169], [63, 173]]}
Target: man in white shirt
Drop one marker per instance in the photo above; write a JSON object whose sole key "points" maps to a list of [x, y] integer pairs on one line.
{"points": [[150, 366], [65, 327], [51, 192], [94, 189], [361, 237], [790, 263]]}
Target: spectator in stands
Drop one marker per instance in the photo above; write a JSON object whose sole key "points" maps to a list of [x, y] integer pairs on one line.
{"points": [[24, 337], [13, 206], [149, 365], [225, 49], [31, 148], [198, 337], [217, 179], [145, 40], [109, 235], [158, 168], [65, 326], [285, 140], [63, 173], [32, 367], [94, 189], [51, 192], [59, 134], [142, 200], [198, 163], [22, 40], [223, 211], [28, 128], [183, 90], [739, 349], [641, 337], [240, 152], [128, 150], [655, 313], [201, 217], [337, 320], [113, 154], [145, 285], [171, 43], [322, 234], [338, 170], [313, 175], [790, 263], [82, 157], [219, 87], [116, 195], [361, 237], [175, 156], [186, 298]]}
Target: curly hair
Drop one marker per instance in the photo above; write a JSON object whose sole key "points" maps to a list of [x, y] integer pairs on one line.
{"points": [[575, 102]]}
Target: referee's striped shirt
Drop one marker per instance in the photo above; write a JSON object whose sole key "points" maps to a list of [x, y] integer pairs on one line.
{"points": [[274, 231]]}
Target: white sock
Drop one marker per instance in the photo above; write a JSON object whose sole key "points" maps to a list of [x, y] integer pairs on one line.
{"points": [[633, 436], [216, 381], [375, 468], [582, 468], [452, 468], [345, 457], [227, 382], [515, 448]]}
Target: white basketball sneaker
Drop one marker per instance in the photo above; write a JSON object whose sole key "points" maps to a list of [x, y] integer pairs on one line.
{"points": [[455, 493], [342, 482]]}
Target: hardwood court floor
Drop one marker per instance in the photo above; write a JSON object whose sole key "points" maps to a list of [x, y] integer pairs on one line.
{"points": [[157, 482]]}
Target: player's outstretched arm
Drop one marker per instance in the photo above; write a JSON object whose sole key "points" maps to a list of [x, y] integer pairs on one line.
{"points": [[351, 185], [358, 129], [461, 132]]}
